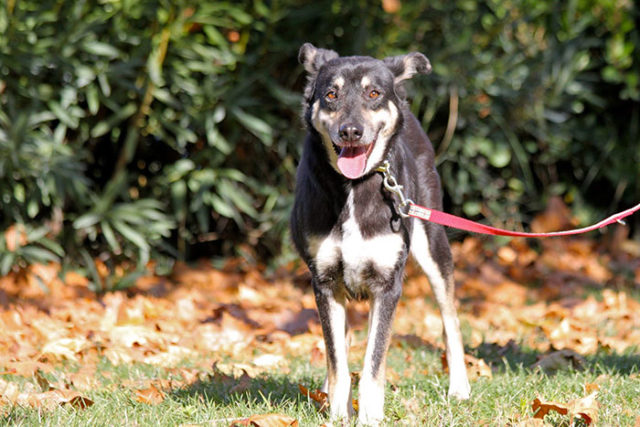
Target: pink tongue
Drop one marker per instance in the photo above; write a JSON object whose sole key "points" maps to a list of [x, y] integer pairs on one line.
{"points": [[351, 161]]}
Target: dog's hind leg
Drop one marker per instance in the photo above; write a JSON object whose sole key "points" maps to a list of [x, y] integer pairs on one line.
{"points": [[434, 256], [372, 381], [333, 318]]}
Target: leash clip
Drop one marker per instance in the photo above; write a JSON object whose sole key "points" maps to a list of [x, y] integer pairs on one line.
{"points": [[391, 184]]}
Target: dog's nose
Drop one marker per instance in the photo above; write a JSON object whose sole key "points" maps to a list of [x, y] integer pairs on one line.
{"points": [[350, 132]]}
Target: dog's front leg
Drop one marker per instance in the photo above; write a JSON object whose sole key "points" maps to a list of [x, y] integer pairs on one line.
{"points": [[334, 326], [434, 257], [372, 381]]}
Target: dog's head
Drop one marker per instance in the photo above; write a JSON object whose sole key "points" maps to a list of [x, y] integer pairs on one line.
{"points": [[355, 104]]}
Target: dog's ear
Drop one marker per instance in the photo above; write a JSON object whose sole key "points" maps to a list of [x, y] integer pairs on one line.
{"points": [[406, 66], [312, 58]]}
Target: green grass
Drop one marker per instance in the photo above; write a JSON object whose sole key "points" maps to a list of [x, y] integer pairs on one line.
{"points": [[416, 394]]}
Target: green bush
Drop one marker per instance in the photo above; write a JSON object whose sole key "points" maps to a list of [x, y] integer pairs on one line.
{"points": [[133, 130]]}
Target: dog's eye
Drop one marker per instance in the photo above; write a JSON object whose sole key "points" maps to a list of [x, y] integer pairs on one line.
{"points": [[331, 95], [374, 94]]}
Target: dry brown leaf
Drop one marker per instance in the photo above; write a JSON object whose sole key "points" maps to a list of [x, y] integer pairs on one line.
{"points": [[151, 395], [317, 396], [9, 392], [266, 420], [53, 398], [269, 360], [317, 357], [173, 355], [532, 422], [560, 360], [65, 348], [76, 400], [129, 335], [242, 384], [219, 376], [322, 398], [585, 408], [15, 237], [27, 368], [556, 216], [118, 355], [476, 367], [84, 379], [541, 409], [42, 381], [591, 387]]}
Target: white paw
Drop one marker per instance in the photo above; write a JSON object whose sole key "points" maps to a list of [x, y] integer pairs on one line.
{"points": [[365, 419], [371, 402], [460, 390]]}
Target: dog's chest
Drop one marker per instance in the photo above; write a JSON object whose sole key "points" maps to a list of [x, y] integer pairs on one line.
{"points": [[346, 253]]}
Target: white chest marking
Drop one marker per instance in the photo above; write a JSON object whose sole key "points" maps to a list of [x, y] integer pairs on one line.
{"points": [[355, 252]]}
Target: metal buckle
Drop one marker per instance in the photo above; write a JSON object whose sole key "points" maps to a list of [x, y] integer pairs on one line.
{"points": [[391, 184]]}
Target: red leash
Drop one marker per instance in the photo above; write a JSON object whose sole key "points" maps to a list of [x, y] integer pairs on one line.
{"points": [[449, 220], [453, 221]]}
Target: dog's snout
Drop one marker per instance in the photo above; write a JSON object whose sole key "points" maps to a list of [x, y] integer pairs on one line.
{"points": [[350, 132]]}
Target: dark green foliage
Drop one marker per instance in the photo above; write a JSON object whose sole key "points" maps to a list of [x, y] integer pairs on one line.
{"points": [[149, 129]]}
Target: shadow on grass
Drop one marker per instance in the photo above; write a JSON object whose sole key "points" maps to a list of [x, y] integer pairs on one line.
{"points": [[622, 364], [513, 356], [271, 390]]}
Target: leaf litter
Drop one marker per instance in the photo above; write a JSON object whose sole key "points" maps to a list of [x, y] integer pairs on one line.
{"points": [[562, 298]]}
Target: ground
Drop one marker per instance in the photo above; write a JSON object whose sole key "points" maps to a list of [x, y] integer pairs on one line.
{"points": [[551, 329]]}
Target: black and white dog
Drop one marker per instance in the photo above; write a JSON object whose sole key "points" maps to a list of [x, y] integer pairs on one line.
{"points": [[347, 227]]}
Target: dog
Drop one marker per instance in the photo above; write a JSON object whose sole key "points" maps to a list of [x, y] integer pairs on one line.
{"points": [[349, 229]]}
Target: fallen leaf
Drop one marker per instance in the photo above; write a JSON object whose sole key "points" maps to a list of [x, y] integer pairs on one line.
{"points": [[507, 255], [560, 360], [317, 396], [585, 408], [266, 420], [476, 367], [84, 378], [27, 368], [129, 335], [219, 376], [53, 398], [532, 422], [322, 398], [118, 355], [541, 409], [42, 381], [269, 360], [65, 348], [242, 384], [317, 357], [172, 357], [556, 217], [15, 237], [151, 395], [591, 387], [76, 400]]}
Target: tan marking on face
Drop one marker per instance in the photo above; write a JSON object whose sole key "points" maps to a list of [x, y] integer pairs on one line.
{"points": [[319, 119], [365, 82], [384, 119], [339, 82]]}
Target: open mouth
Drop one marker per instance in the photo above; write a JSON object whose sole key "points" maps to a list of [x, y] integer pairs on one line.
{"points": [[352, 158]]}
